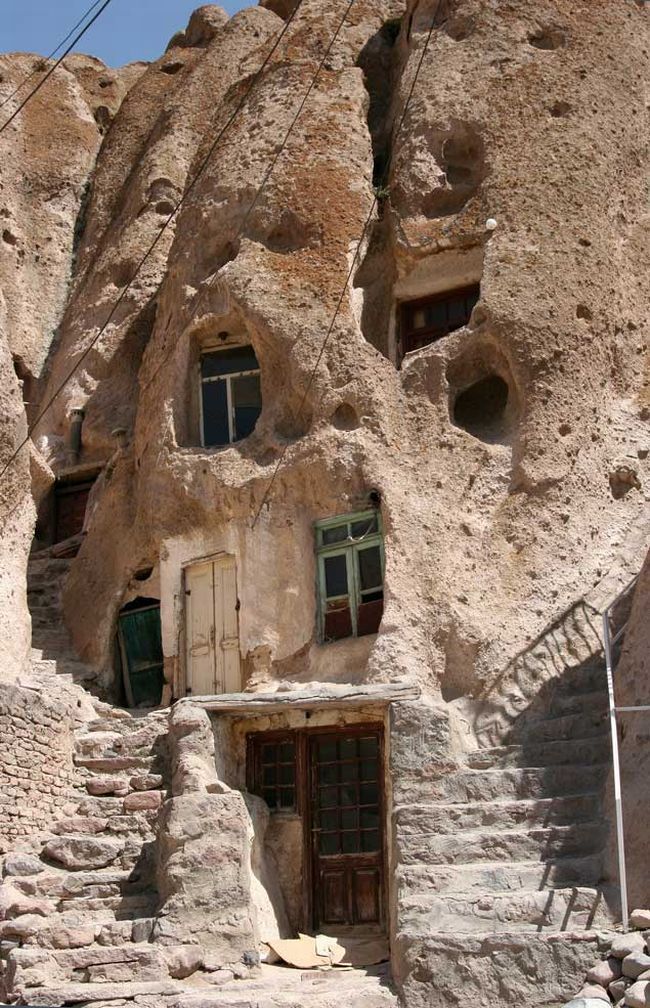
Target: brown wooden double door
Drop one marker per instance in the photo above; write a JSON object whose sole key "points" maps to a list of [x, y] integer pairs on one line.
{"points": [[345, 828]]}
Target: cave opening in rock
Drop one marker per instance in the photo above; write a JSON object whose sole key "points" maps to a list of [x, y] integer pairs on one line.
{"points": [[481, 408], [429, 319]]}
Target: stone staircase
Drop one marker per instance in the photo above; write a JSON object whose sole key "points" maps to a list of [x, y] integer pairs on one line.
{"points": [[514, 840], [84, 902], [52, 652]]}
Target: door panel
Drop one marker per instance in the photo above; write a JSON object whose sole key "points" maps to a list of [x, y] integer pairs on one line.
{"points": [[201, 671], [346, 823], [213, 661]]}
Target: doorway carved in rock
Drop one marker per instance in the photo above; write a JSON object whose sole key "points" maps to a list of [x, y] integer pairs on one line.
{"points": [[334, 779]]}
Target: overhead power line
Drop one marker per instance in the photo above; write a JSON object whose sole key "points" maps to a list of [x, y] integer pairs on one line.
{"points": [[50, 56], [53, 68], [348, 277], [154, 243]]}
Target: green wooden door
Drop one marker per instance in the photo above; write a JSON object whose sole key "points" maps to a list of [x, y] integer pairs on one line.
{"points": [[142, 657]]}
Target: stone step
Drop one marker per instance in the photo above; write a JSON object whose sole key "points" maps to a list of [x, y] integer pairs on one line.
{"points": [[498, 815], [95, 743], [545, 844], [88, 992], [584, 679], [527, 782], [569, 909], [115, 764], [113, 963], [586, 724], [542, 754], [128, 907], [562, 704], [501, 876]]}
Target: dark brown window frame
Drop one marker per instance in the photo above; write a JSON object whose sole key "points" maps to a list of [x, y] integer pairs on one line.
{"points": [[415, 339]]}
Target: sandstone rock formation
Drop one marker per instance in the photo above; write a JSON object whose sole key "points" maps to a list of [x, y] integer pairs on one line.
{"points": [[507, 460]]}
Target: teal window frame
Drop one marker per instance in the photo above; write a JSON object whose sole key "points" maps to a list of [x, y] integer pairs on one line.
{"points": [[349, 547]]}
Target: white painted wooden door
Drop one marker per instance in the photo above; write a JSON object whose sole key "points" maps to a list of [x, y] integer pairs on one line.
{"points": [[211, 627]]}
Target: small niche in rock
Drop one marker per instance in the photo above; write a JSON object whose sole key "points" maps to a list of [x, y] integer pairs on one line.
{"points": [[164, 207], [583, 312], [462, 159], [143, 574], [287, 234], [622, 480], [9, 238], [560, 109], [103, 117], [459, 28], [481, 409], [172, 68], [123, 274], [345, 417], [548, 38]]}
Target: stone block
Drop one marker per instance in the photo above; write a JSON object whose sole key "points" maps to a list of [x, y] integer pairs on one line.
{"points": [[107, 786], [183, 960], [146, 782], [79, 852], [627, 944], [143, 800], [605, 972], [638, 995], [593, 992], [640, 918], [635, 964], [22, 864]]}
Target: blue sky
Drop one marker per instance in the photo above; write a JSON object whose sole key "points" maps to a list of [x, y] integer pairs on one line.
{"points": [[127, 30]]}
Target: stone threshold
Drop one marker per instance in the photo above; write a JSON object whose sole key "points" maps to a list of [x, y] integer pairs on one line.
{"points": [[316, 698]]}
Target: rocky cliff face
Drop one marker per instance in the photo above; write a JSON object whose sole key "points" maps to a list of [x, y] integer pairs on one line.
{"points": [[443, 144], [495, 524]]}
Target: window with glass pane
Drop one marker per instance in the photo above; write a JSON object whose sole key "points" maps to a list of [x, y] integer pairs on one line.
{"points": [[231, 399], [350, 559], [273, 771], [429, 319], [348, 795]]}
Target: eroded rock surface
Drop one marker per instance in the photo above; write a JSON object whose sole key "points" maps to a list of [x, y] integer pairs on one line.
{"points": [[444, 144]]}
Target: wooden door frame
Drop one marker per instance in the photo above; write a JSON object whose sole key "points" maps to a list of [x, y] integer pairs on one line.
{"points": [[302, 737]]}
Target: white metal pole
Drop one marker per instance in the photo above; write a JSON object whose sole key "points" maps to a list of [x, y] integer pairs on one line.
{"points": [[620, 835]]}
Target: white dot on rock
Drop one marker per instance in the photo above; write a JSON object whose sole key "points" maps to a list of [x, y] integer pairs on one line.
{"points": [[490, 224]]}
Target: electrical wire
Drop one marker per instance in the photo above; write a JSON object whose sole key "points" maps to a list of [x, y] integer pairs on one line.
{"points": [[53, 68], [240, 230], [348, 277], [50, 56], [154, 243]]}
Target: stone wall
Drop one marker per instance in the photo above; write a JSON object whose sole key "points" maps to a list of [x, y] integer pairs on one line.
{"points": [[36, 746]]}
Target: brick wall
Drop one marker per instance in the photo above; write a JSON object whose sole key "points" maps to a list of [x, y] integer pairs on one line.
{"points": [[36, 744]]}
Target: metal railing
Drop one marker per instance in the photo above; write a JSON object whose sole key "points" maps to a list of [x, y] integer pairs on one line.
{"points": [[615, 621]]}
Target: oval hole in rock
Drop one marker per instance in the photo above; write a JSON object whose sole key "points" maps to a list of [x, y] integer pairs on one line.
{"points": [[143, 574], [345, 417], [480, 409], [547, 38]]}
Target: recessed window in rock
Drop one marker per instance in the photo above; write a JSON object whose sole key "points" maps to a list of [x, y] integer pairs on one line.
{"points": [[481, 408], [231, 398], [429, 319], [271, 769], [350, 556], [140, 647]]}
